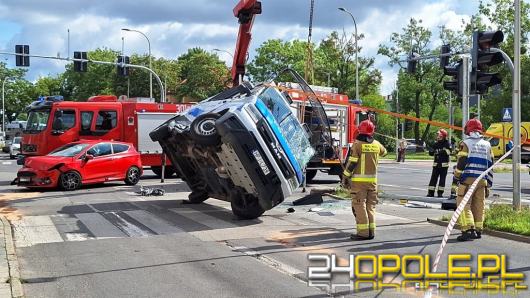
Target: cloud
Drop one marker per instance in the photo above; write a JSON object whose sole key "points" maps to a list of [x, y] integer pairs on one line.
{"points": [[175, 26]]}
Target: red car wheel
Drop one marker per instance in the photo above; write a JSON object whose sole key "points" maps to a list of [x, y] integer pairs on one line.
{"points": [[70, 181]]}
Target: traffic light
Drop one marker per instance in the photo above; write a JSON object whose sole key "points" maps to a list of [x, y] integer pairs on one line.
{"points": [[411, 64], [21, 60], [482, 58], [80, 66], [123, 70], [444, 60], [455, 70]]}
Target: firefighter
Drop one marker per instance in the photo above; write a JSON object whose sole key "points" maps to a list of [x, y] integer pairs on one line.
{"points": [[441, 151], [361, 175], [474, 157]]}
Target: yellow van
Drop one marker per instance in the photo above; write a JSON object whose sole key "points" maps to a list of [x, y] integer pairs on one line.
{"points": [[499, 145]]}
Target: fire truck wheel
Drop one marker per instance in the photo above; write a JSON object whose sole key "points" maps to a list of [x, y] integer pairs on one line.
{"points": [[310, 175], [132, 176], [167, 174], [70, 180], [246, 206], [203, 129], [198, 197]]}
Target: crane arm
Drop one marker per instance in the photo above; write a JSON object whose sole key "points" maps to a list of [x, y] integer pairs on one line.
{"points": [[245, 11]]}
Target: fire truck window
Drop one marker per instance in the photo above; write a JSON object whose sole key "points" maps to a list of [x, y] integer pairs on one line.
{"points": [[118, 148], [86, 121], [63, 119], [100, 150], [106, 120]]}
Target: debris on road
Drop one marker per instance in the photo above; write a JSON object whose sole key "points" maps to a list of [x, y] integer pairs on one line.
{"points": [[147, 191]]}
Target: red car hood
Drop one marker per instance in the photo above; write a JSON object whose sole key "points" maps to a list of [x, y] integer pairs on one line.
{"points": [[42, 163]]}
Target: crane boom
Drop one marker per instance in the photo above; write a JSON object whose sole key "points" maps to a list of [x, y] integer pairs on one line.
{"points": [[245, 11]]}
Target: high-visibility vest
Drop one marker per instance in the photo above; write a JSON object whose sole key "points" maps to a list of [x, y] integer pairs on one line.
{"points": [[478, 159]]}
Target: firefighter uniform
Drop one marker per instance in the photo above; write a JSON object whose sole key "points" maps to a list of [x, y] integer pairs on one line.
{"points": [[474, 158], [361, 171], [441, 151]]}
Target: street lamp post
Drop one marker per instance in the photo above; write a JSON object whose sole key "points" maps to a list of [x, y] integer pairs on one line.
{"points": [[356, 52], [3, 104], [219, 50], [150, 62]]}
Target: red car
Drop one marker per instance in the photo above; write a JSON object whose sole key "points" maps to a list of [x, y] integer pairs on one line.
{"points": [[82, 162]]}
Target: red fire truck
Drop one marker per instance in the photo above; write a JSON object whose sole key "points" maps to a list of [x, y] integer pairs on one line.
{"points": [[343, 118], [53, 122]]}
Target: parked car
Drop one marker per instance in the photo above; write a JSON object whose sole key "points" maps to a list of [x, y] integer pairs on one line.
{"points": [[14, 148], [244, 145], [83, 162], [412, 146], [5, 146], [3, 143]]}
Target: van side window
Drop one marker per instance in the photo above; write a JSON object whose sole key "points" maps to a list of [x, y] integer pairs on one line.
{"points": [[494, 142], [106, 120], [86, 121]]}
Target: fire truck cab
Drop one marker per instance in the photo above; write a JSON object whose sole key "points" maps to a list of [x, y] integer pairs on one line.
{"points": [[53, 122]]}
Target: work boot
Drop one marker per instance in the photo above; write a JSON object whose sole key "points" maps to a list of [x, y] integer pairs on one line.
{"points": [[430, 193], [440, 194], [466, 236], [356, 237], [477, 234]]}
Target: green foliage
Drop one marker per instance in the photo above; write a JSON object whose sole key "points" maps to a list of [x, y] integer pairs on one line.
{"points": [[504, 218], [204, 75], [333, 62], [18, 91]]}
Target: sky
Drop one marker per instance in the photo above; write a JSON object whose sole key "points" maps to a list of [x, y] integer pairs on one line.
{"points": [[173, 26]]}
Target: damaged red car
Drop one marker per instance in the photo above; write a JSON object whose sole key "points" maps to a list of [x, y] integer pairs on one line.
{"points": [[83, 162]]}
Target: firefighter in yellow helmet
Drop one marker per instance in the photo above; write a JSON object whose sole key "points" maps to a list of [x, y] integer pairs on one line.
{"points": [[361, 175], [474, 158]]}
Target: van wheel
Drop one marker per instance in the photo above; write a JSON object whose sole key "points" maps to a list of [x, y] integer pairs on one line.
{"points": [[198, 197], [246, 206], [70, 180], [167, 173], [132, 176], [203, 130]]}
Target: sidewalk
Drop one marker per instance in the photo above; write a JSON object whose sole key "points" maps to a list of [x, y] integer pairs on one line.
{"points": [[10, 285]]}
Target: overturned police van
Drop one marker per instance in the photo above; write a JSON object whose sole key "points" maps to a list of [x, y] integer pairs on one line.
{"points": [[244, 145]]}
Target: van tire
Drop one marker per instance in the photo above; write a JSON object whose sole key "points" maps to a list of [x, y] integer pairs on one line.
{"points": [[203, 130], [246, 206]]}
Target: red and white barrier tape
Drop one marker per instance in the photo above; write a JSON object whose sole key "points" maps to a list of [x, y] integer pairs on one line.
{"points": [[457, 213]]}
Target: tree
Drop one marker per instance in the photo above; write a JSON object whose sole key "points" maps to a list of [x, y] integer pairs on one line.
{"points": [[202, 75], [422, 91], [18, 91]]}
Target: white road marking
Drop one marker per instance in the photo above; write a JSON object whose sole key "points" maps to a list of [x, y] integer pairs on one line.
{"points": [[99, 226], [7, 162], [202, 218], [31, 230], [402, 186], [155, 224]]}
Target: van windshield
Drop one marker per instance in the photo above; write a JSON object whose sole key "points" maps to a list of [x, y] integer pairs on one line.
{"points": [[291, 129], [37, 120]]}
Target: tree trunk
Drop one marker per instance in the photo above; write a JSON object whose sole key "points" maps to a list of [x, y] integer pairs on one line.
{"points": [[418, 115]]}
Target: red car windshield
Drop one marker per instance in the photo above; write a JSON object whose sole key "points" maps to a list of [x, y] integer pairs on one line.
{"points": [[68, 150]]}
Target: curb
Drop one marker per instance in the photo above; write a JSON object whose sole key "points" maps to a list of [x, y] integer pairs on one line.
{"points": [[12, 260], [498, 234]]}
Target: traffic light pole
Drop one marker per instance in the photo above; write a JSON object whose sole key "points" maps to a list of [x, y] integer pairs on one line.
{"points": [[162, 91], [516, 108], [465, 91]]}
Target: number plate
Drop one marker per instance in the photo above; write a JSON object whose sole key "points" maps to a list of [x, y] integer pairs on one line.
{"points": [[24, 179], [261, 162]]}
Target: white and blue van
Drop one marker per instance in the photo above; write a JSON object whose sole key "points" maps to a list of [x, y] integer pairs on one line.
{"points": [[244, 145]]}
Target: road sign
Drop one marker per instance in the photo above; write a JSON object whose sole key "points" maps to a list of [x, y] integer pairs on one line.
{"points": [[507, 115]]}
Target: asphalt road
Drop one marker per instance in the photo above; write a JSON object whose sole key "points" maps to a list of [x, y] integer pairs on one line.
{"points": [[106, 241]]}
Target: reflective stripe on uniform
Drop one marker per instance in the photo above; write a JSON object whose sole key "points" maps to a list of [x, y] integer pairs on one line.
{"points": [[462, 153], [372, 225], [448, 151], [364, 178], [445, 165], [362, 227], [363, 163], [432, 188], [353, 159], [346, 174], [479, 224]]}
